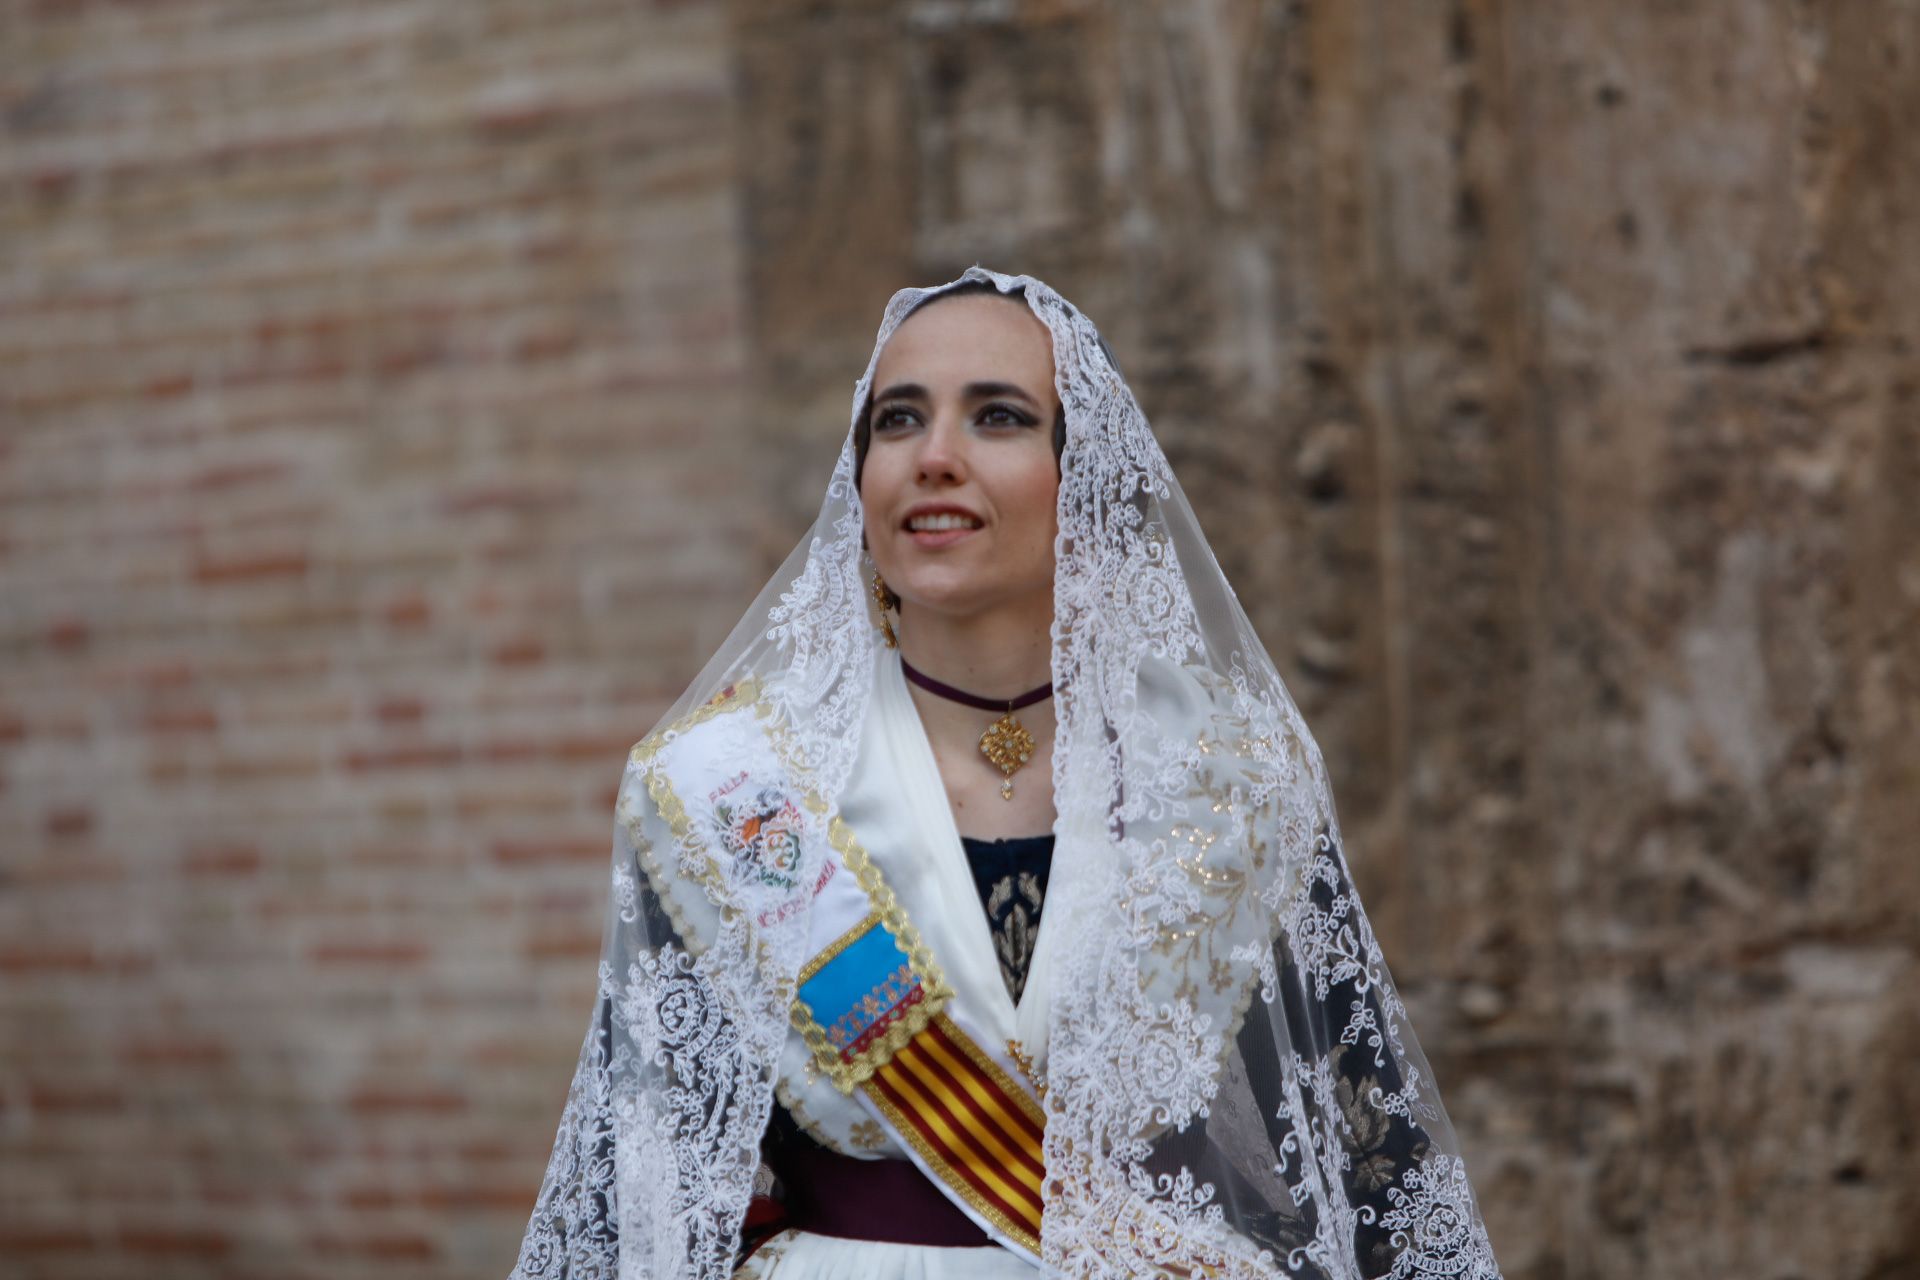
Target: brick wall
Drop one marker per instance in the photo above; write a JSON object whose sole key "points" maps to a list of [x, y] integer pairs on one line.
{"points": [[366, 373]]}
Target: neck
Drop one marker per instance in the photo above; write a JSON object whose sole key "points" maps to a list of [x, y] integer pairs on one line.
{"points": [[1002, 654], [994, 655]]}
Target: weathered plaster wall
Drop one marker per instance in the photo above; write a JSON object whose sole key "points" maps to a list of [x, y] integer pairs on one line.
{"points": [[1545, 377]]}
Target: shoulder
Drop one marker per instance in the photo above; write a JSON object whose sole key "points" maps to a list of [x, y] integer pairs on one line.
{"points": [[1213, 714], [717, 747], [709, 727], [1190, 699], [1174, 689]]}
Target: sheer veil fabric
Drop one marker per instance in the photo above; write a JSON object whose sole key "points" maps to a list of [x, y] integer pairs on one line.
{"points": [[1232, 1087]]}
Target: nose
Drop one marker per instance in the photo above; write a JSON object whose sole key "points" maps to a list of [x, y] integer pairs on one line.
{"points": [[942, 457]]}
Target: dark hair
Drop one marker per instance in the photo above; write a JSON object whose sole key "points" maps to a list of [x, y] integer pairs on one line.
{"points": [[863, 429]]}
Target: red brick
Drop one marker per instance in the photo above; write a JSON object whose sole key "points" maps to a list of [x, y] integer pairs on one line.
{"points": [[401, 854], [519, 653], [175, 1242], [382, 1246], [99, 1098], [174, 1051], [547, 346], [170, 387], [15, 1240], [408, 611], [184, 719], [66, 823], [322, 327], [370, 1199], [222, 860], [562, 946], [173, 673], [166, 771], [234, 475], [399, 710], [56, 958], [374, 953], [473, 1196], [419, 756], [69, 635], [614, 744], [489, 1150], [286, 564], [506, 497], [523, 852], [383, 1099], [497, 750], [229, 1195], [250, 768], [81, 866]]}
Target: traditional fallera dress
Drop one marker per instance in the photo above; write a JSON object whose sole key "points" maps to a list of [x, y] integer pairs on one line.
{"points": [[834, 1038]]}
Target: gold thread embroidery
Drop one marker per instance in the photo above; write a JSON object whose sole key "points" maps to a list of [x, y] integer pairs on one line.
{"points": [[1024, 1060], [667, 803], [904, 1126], [848, 1076], [834, 948], [909, 1085], [993, 1071], [762, 1261], [988, 1126]]}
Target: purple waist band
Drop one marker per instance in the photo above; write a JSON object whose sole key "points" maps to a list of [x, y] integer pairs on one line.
{"points": [[886, 1200]]}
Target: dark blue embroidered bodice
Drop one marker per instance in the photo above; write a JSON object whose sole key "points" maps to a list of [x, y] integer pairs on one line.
{"points": [[1011, 877]]}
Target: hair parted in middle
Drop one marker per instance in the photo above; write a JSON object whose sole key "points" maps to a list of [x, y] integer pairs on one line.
{"points": [[863, 429]]}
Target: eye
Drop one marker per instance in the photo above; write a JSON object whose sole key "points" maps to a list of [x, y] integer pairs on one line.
{"points": [[893, 416], [1005, 415]]}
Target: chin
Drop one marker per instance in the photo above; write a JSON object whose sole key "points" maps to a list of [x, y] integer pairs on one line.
{"points": [[969, 599], [948, 598]]}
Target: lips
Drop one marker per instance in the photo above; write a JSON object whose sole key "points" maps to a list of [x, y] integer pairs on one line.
{"points": [[941, 521], [938, 524]]}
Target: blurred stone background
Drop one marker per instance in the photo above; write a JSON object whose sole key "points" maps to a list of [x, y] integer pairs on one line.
{"points": [[398, 401]]}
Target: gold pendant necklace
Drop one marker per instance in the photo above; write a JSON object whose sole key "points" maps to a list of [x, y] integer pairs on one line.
{"points": [[1006, 743]]}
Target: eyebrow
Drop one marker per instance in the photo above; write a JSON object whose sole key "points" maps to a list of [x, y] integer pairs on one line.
{"points": [[972, 391]]}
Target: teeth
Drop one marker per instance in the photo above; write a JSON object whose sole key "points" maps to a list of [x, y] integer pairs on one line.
{"points": [[946, 520]]}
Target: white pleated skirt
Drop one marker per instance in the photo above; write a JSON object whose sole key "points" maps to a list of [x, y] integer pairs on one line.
{"points": [[802, 1255]]}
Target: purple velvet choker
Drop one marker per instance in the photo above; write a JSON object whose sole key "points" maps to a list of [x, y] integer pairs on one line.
{"points": [[1006, 744], [975, 701]]}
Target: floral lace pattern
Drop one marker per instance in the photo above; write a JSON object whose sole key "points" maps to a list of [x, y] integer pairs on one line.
{"points": [[1234, 1086]]}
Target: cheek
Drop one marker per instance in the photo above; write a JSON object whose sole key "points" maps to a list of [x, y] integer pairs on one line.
{"points": [[876, 492], [1038, 502]]}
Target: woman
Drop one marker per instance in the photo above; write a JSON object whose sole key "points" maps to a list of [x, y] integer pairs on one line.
{"points": [[967, 1016]]}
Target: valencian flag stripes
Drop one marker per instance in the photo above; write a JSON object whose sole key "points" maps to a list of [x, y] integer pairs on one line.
{"points": [[885, 1025], [977, 1131]]}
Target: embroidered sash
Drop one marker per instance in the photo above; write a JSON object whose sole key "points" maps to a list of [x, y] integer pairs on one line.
{"points": [[881, 1021], [878, 1016]]}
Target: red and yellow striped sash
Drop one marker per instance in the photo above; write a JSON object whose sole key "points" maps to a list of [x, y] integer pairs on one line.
{"points": [[975, 1129]]}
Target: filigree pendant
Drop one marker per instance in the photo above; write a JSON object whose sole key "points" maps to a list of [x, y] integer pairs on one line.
{"points": [[1008, 745]]}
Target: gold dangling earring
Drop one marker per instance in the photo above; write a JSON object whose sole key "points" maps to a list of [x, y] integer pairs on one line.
{"points": [[884, 597]]}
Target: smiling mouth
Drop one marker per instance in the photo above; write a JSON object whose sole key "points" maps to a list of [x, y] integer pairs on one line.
{"points": [[942, 522]]}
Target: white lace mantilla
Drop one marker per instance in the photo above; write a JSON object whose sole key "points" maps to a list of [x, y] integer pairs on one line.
{"points": [[1233, 1087]]}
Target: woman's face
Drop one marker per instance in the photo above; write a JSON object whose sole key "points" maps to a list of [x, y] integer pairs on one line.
{"points": [[960, 481]]}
